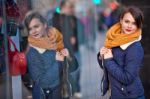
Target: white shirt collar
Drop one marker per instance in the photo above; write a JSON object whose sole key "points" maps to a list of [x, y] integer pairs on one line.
{"points": [[124, 46], [40, 50]]}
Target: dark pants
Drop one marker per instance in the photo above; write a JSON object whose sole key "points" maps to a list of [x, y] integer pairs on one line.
{"points": [[76, 74], [39, 93]]}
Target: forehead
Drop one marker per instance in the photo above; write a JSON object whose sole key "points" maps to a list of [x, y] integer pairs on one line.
{"points": [[69, 4], [128, 16], [34, 21]]}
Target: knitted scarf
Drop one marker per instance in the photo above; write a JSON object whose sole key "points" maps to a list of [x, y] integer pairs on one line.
{"points": [[53, 40], [115, 38]]}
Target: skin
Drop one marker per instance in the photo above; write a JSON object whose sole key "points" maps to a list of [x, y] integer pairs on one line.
{"points": [[67, 9], [37, 29], [128, 26]]}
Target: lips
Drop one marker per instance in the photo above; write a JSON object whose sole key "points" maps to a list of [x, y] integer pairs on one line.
{"points": [[128, 30], [35, 35]]}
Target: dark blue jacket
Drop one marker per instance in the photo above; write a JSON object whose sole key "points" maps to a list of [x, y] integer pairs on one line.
{"points": [[44, 68], [123, 72], [48, 73]]}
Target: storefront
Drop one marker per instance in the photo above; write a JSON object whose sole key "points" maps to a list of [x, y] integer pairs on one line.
{"points": [[12, 13]]}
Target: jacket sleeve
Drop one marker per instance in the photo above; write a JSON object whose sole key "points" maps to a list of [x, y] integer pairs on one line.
{"points": [[133, 61], [99, 60], [73, 63]]}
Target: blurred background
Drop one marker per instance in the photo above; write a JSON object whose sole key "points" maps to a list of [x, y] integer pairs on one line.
{"points": [[92, 19]]}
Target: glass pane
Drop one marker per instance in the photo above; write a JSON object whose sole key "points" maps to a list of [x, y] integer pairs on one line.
{"points": [[82, 23]]}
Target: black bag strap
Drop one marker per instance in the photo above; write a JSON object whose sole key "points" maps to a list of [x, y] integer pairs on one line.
{"points": [[66, 85], [104, 77]]}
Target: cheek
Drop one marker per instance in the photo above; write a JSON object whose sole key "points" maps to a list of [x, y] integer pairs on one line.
{"points": [[30, 32], [134, 28], [124, 26], [39, 30]]}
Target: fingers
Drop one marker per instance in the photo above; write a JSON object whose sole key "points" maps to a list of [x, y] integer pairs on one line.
{"points": [[59, 56], [109, 50], [108, 54], [103, 50], [64, 52]]}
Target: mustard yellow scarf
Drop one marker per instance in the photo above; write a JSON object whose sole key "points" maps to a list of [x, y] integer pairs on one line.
{"points": [[54, 40], [115, 38]]}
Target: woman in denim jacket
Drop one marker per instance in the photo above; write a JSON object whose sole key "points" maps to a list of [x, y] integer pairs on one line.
{"points": [[45, 55], [123, 56]]}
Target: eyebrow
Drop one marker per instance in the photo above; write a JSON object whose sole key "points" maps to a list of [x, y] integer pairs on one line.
{"points": [[129, 20]]}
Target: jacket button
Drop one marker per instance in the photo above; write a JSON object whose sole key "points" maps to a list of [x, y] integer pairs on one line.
{"points": [[47, 91], [122, 88]]}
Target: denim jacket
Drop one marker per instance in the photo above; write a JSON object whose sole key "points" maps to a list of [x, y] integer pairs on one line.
{"points": [[43, 68]]}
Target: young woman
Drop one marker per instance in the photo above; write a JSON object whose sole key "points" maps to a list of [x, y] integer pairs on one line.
{"points": [[123, 56], [44, 56]]}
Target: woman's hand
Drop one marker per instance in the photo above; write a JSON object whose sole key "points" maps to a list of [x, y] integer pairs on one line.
{"points": [[65, 52], [103, 51], [108, 54], [59, 56]]}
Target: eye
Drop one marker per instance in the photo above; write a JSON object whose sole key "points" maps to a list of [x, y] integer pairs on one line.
{"points": [[126, 21], [36, 26]]}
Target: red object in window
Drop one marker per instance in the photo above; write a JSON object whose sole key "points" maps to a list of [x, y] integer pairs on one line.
{"points": [[12, 9], [17, 60]]}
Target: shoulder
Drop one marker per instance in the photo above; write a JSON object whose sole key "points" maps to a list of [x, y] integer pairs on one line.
{"points": [[135, 46], [31, 51], [135, 50]]}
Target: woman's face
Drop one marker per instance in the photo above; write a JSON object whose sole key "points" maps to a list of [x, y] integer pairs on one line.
{"points": [[36, 28], [128, 24]]}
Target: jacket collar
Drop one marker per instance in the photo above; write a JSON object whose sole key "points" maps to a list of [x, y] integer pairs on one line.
{"points": [[124, 46], [40, 50]]}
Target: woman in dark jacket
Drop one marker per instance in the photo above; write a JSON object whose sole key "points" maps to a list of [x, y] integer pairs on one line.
{"points": [[45, 55], [123, 56]]}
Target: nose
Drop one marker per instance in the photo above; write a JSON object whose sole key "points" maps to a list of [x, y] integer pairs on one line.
{"points": [[129, 25]]}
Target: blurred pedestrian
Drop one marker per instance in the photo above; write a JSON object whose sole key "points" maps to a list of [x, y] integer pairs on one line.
{"points": [[66, 22]]}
